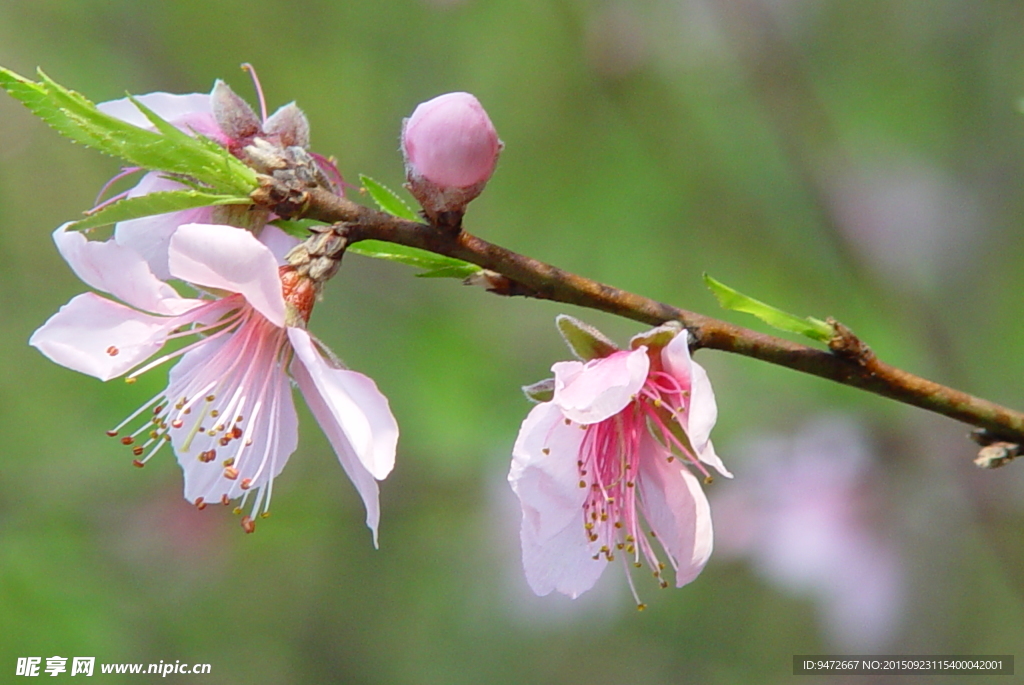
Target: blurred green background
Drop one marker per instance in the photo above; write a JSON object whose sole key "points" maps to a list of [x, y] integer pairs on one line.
{"points": [[855, 159]]}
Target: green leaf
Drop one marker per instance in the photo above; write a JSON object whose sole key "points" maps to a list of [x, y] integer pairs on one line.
{"points": [[816, 329], [166, 149], [434, 265], [154, 203], [387, 199], [584, 340]]}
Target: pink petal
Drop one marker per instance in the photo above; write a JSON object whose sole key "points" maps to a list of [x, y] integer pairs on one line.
{"points": [[545, 477], [357, 408], [360, 476], [95, 336], [592, 392], [277, 241], [169, 106], [270, 425], [676, 509], [231, 259], [120, 271], [702, 410], [150, 236]]}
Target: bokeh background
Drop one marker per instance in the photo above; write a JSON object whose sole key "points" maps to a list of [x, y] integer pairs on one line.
{"points": [[855, 159]]}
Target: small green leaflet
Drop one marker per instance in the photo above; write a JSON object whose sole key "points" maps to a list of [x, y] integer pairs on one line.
{"points": [[154, 203], [166, 149], [816, 329], [434, 265], [387, 199]]}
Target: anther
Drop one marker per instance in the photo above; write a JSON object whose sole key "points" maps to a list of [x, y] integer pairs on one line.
{"points": [[200, 504], [709, 480], [641, 607], [230, 461], [139, 464], [568, 422], [112, 434], [248, 525], [265, 515], [548, 451], [137, 450], [231, 473], [130, 380], [236, 511], [127, 440], [177, 423], [246, 483], [113, 351]]}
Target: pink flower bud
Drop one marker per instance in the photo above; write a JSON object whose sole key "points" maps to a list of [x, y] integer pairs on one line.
{"points": [[451, 149]]}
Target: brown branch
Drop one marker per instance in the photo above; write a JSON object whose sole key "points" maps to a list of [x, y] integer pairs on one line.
{"points": [[848, 361]]}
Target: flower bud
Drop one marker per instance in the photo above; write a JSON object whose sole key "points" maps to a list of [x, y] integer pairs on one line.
{"points": [[451, 149]]}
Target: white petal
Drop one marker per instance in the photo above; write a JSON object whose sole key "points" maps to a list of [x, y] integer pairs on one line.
{"points": [[231, 259], [357, 407], [169, 106], [601, 388], [545, 477], [676, 509], [278, 242], [120, 271], [360, 476], [703, 410], [150, 236], [88, 329]]}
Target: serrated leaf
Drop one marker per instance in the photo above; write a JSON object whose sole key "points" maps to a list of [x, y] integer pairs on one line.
{"points": [[154, 203], [435, 265], [585, 341], [166, 149], [729, 298], [387, 200]]}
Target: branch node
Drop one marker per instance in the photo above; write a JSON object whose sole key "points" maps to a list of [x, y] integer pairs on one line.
{"points": [[493, 282], [845, 343]]}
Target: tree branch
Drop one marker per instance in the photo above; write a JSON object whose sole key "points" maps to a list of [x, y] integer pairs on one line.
{"points": [[848, 361]]}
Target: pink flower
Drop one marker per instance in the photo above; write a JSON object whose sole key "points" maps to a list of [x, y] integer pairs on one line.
{"points": [[451, 149], [227, 410], [602, 468]]}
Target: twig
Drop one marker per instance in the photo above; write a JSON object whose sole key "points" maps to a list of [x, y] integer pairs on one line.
{"points": [[848, 361]]}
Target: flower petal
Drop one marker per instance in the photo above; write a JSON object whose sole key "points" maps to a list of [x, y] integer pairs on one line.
{"points": [[277, 241], [120, 271], [150, 236], [545, 477], [702, 410], [592, 392], [366, 484], [676, 509], [96, 336], [231, 259], [357, 408], [169, 106]]}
